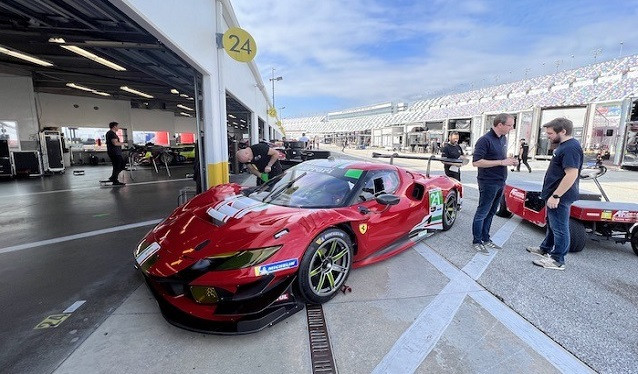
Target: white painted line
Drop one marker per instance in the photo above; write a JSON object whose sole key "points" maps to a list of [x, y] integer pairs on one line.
{"points": [[93, 188], [420, 338], [471, 185], [480, 262], [79, 236], [74, 306], [537, 340], [541, 343]]}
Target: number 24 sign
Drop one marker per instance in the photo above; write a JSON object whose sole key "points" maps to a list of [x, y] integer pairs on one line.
{"points": [[239, 44]]}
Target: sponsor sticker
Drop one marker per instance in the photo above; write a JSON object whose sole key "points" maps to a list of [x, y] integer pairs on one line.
{"points": [[517, 194], [605, 214], [353, 173], [275, 267]]}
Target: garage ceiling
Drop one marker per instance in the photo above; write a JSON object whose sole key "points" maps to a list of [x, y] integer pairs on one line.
{"points": [[96, 26]]}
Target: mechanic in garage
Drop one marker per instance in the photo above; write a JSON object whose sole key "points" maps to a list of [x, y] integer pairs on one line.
{"points": [[452, 150], [262, 161]]}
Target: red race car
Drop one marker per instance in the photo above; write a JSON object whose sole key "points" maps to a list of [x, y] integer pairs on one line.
{"points": [[235, 260]]}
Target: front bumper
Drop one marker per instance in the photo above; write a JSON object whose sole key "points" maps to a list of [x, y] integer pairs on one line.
{"points": [[251, 309]]}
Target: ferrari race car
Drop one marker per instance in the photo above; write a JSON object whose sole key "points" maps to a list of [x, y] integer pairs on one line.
{"points": [[236, 260]]}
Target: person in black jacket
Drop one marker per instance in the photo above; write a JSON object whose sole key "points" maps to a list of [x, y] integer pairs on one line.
{"points": [[523, 154], [114, 150], [452, 150]]}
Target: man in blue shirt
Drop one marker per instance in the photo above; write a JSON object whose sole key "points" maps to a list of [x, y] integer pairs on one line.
{"points": [[490, 157], [560, 190]]}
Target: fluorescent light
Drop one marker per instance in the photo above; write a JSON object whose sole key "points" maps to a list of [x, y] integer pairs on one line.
{"points": [[184, 107], [190, 98], [231, 116], [78, 87], [174, 91], [91, 56], [183, 95], [57, 40], [242, 120], [127, 89], [24, 56], [185, 114]]}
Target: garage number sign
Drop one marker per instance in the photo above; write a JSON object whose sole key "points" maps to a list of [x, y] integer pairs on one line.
{"points": [[239, 44]]}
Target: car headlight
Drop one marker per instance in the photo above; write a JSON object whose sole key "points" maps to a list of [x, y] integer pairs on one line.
{"points": [[235, 260]]}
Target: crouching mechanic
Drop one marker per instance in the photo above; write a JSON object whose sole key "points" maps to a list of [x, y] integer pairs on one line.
{"points": [[262, 161]]}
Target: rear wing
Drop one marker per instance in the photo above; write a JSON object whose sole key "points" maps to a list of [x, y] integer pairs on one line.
{"points": [[455, 161]]}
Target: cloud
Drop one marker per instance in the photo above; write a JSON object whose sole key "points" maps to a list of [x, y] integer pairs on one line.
{"points": [[362, 52]]}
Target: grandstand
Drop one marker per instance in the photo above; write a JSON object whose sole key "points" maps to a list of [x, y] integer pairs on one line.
{"points": [[607, 81], [579, 86]]}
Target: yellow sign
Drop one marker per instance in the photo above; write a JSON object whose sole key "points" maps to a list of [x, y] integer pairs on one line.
{"points": [[239, 44], [272, 112], [53, 320], [363, 228], [278, 123]]}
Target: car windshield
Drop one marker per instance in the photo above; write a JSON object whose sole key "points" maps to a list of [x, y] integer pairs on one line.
{"points": [[306, 189]]}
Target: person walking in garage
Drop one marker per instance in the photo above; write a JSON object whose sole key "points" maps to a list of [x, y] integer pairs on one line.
{"points": [[560, 190], [114, 150]]}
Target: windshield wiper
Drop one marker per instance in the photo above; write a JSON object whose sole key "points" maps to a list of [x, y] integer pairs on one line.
{"points": [[278, 191]]}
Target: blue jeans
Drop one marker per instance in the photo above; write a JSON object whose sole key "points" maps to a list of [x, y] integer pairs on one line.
{"points": [[556, 241], [489, 196]]}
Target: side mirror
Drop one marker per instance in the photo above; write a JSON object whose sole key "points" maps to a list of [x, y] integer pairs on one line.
{"points": [[387, 199]]}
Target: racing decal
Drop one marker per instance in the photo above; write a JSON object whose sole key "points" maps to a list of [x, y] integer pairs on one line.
{"points": [[353, 173], [363, 228], [592, 214], [605, 214], [624, 216], [275, 267], [234, 207], [436, 209], [517, 194]]}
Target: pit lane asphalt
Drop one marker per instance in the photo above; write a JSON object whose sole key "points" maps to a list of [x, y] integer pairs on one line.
{"points": [[116, 330]]}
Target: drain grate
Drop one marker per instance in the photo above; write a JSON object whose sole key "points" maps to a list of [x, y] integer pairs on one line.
{"points": [[320, 351]]}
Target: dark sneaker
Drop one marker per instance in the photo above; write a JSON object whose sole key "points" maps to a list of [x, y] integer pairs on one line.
{"points": [[492, 245], [549, 263], [118, 183], [537, 251], [480, 248]]}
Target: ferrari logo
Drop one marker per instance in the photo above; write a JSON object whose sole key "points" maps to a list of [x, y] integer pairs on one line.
{"points": [[363, 228]]}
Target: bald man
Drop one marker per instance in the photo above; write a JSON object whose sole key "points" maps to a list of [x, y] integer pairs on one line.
{"points": [[260, 160]]}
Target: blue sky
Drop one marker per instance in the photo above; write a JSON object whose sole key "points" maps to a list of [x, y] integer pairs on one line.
{"points": [[335, 55]]}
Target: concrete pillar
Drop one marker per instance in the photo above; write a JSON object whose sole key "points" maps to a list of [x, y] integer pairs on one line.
{"points": [[254, 128]]}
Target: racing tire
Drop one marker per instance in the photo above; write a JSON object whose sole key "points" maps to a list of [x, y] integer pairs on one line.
{"points": [[450, 210], [577, 235], [502, 211], [325, 266], [634, 241]]}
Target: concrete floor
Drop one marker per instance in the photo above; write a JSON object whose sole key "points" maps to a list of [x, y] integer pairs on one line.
{"points": [[438, 307]]}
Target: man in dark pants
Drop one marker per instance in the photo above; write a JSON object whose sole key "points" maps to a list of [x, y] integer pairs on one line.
{"points": [[263, 161], [452, 150], [560, 190], [490, 157], [114, 150], [523, 153]]}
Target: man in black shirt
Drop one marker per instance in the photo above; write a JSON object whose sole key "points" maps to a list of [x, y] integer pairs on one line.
{"points": [[263, 161], [452, 150], [523, 153], [114, 150], [560, 190]]}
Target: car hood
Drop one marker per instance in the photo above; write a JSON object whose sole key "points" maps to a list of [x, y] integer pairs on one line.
{"points": [[222, 220]]}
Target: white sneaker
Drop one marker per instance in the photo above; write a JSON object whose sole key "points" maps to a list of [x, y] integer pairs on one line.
{"points": [[549, 263]]}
